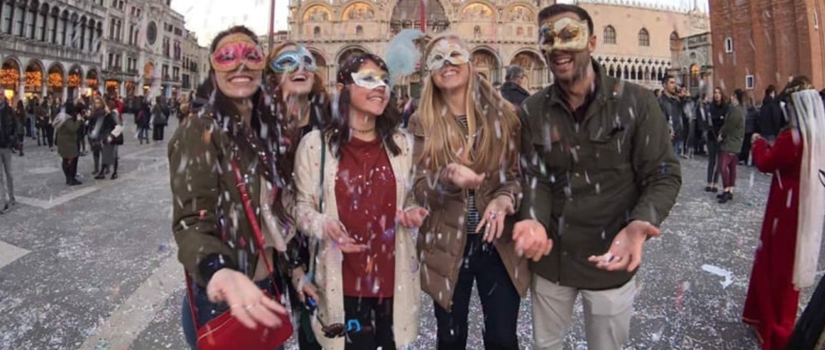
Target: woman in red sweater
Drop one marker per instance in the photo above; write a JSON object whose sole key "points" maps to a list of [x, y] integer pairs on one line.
{"points": [[366, 267], [790, 239]]}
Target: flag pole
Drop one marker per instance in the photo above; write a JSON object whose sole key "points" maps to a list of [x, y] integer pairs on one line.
{"points": [[271, 24]]}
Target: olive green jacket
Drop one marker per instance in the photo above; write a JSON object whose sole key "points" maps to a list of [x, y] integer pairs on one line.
{"points": [[202, 181], [733, 130], [585, 182]]}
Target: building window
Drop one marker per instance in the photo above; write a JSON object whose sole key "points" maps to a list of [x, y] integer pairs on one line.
{"points": [[644, 38], [609, 35], [728, 44], [316, 32], [42, 26], [62, 26], [53, 28], [7, 22], [749, 83], [359, 30], [31, 20]]}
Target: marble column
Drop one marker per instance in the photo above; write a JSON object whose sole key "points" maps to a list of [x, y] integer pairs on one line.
{"points": [[65, 92], [21, 87]]}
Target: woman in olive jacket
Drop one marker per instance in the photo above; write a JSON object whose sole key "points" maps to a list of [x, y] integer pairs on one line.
{"points": [[214, 235]]}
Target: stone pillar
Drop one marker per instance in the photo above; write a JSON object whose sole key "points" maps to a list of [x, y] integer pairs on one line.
{"points": [[121, 91], [21, 87], [45, 86], [65, 92]]}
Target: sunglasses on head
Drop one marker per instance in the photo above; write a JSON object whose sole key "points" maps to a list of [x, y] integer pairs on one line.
{"points": [[335, 330], [232, 55], [445, 52], [290, 61]]}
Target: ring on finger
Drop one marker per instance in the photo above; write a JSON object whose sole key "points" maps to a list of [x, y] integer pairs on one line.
{"points": [[248, 307]]}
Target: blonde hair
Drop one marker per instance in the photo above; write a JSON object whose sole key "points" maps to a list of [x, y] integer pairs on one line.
{"points": [[492, 134]]}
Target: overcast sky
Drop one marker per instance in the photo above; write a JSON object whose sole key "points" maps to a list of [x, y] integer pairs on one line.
{"points": [[208, 17]]}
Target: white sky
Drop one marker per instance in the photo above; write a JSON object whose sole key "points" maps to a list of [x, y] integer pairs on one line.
{"points": [[208, 17]]}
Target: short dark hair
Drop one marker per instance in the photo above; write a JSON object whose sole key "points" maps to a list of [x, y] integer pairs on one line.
{"points": [[666, 78], [740, 96], [770, 90], [557, 9], [514, 72]]}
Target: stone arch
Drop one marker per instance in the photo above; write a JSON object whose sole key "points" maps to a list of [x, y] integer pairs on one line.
{"points": [[93, 79], [34, 74], [348, 51], [358, 11], [56, 78], [317, 12], [486, 61], [514, 12], [405, 14], [479, 10], [10, 76], [534, 67]]}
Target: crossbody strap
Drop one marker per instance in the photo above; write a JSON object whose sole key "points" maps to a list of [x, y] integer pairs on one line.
{"points": [[314, 259]]}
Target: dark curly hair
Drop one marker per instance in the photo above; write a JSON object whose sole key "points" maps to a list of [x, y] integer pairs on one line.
{"points": [[338, 129]]}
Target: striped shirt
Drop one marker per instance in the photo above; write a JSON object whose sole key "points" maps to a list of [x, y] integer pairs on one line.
{"points": [[473, 217]]}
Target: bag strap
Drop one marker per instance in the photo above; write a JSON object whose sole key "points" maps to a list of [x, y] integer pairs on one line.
{"points": [[313, 262]]}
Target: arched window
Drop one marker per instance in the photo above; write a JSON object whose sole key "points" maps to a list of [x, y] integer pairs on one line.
{"points": [[316, 32], [644, 38], [42, 24], [52, 35], [609, 35], [19, 15], [359, 31]]}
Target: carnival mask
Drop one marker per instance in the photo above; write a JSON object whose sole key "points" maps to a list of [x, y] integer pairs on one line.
{"points": [[371, 79], [444, 52], [566, 34], [237, 50], [290, 61]]}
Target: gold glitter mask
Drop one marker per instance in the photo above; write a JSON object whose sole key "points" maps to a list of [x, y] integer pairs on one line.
{"points": [[566, 34]]}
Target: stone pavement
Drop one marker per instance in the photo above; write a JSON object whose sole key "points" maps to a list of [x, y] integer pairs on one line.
{"points": [[94, 266]]}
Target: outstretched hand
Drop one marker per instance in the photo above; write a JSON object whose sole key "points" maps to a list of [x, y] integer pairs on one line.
{"points": [[626, 250]]}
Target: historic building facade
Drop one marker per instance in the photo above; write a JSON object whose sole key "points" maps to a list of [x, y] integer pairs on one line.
{"points": [[50, 48], [144, 48], [758, 43], [637, 43]]}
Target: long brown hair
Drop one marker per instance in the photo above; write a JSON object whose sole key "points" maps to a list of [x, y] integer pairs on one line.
{"points": [[492, 124], [286, 129], [264, 144]]}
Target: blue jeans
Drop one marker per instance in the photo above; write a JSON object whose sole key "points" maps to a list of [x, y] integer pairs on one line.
{"points": [[206, 310]]}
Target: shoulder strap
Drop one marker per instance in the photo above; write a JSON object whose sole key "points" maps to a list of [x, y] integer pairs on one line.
{"points": [[314, 260]]}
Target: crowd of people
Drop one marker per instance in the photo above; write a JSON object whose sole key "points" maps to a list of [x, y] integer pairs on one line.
{"points": [[91, 123], [353, 202]]}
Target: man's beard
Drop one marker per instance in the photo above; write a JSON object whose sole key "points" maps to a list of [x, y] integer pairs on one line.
{"points": [[581, 62]]}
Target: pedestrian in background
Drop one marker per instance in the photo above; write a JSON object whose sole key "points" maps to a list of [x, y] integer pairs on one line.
{"points": [[8, 140], [718, 110], [771, 120], [672, 105], [730, 144], [66, 126], [513, 89], [20, 118], [110, 134], [160, 117]]}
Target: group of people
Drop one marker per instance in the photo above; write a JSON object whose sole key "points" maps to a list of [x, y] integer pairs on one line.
{"points": [[359, 215]]}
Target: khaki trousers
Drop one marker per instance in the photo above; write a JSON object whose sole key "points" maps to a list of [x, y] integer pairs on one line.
{"points": [[606, 314]]}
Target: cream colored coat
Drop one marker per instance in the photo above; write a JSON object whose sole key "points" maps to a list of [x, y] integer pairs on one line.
{"points": [[328, 276]]}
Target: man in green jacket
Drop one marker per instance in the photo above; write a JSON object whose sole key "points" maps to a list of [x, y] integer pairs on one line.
{"points": [[600, 177], [731, 138]]}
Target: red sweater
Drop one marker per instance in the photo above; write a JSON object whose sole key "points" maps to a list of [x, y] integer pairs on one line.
{"points": [[365, 192]]}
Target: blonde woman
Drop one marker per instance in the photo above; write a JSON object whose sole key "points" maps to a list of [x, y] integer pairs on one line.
{"points": [[466, 176]]}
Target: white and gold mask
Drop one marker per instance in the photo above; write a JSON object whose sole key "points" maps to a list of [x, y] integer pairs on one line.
{"points": [[444, 52], [566, 34]]}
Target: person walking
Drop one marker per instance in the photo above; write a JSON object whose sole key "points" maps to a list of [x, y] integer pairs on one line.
{"points": [[8, 140], [159, 119], [673, 106], [600, 177], [66, 125], [730, 144], [110, 134]]}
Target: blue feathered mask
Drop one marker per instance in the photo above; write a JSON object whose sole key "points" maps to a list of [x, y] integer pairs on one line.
{"points": [[402, 54]]}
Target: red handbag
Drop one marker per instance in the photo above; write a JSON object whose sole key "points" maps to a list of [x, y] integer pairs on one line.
{"points": [[225, 332]]}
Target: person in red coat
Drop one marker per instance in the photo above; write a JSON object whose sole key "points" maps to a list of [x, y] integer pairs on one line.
{"points": [[783, 259]]}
